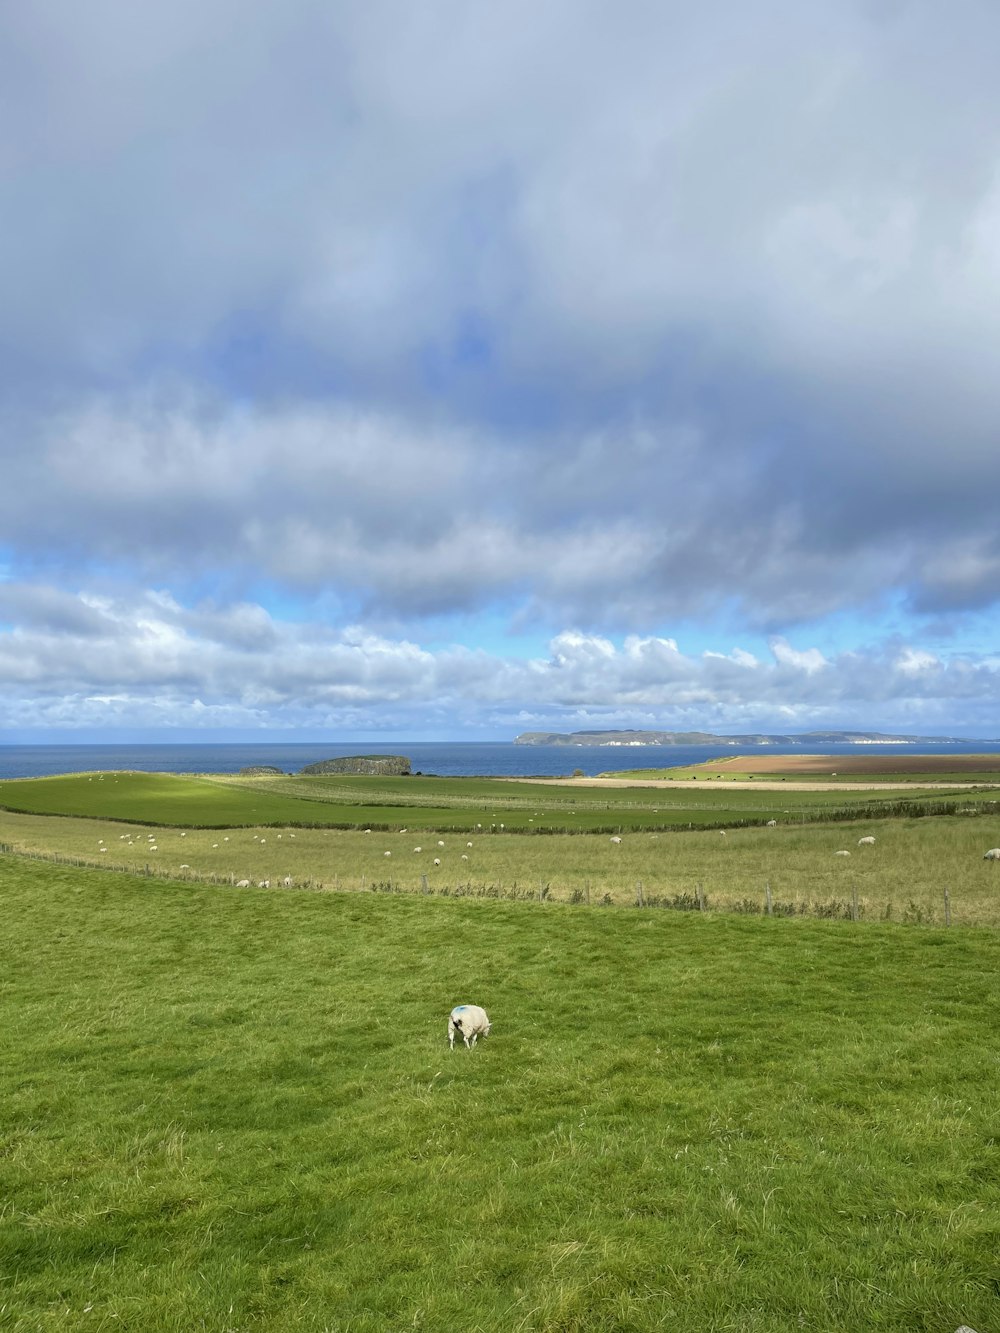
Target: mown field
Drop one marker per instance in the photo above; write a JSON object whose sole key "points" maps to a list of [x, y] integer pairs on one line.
{"points": [[238, 1111], [841, 769], [448, 804]]}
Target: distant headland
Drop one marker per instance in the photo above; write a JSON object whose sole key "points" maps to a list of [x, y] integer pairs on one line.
{"points": [[638, 738]]}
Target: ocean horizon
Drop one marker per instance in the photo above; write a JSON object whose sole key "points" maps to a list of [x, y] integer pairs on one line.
{"points": [[440, 758]]}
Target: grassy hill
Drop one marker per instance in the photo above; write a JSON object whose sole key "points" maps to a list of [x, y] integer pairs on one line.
{"points": [[238, 1111]]}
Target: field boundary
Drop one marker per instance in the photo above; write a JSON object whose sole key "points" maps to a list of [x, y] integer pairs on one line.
{"points": [[852, 908]]}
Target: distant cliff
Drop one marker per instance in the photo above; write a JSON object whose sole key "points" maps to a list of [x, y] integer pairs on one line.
{"points": [[638, 738]]}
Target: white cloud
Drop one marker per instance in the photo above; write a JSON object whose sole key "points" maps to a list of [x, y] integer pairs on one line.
{"points": [[807, 660], [151, 658]]}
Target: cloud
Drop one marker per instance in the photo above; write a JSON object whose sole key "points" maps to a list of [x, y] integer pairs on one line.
{"points": [[570, 315], [236, 666]]}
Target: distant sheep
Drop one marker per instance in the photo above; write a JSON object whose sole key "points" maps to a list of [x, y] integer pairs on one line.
{"points": [[866, 842], [616, 840], [242, 883], [437, 860], [772, 823], [722, 832], [992, 855], [264, 884], [842, 853], [469, 1020], [287, 881]]}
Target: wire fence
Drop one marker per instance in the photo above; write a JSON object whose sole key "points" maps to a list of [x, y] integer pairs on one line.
{"points": [[854, 908]]}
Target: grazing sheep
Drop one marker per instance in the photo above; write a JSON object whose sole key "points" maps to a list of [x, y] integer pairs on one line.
{"points": [[418, 849], [772, 823], [264, 884], [464, 857], [866, 842], [440, 843], [616, 840], [471, 1021], [992, 855], [287, 881], [722, 832], [842, 853], [468, 844], [242, 883], [387, 853], [437, 860]]}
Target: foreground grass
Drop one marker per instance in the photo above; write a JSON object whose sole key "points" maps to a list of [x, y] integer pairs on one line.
{"points": [[238, 1111]]}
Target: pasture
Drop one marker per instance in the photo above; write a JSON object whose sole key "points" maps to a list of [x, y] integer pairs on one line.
{"points": [[902, 877], [904, 766], [237, 1111]]}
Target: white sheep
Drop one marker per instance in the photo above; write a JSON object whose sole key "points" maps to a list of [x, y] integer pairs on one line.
{"points": [[242, 883], [772, 823], [287, 881], [616, 840], [842, 853], [866, 842], [471, 1021], [992, 855], [437, 860], [387, 853], [264, 884]]}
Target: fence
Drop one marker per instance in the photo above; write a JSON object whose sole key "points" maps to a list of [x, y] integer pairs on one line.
{"points": [[693, 900]]}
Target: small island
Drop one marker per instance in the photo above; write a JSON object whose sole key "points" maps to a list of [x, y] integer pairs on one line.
{"points": [[372, 765]]}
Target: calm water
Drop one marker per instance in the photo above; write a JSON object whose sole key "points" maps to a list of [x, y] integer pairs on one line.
{"points": [[443, 758]]}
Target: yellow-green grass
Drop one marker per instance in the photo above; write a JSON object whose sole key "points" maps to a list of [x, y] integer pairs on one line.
{"points": [[238, 1112], [904, 875], [459, 804]]}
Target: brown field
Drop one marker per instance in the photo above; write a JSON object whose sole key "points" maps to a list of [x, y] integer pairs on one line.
{"points": [[859, 764]]}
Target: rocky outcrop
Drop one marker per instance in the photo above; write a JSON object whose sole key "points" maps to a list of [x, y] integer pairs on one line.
{"points": [[376, 765]]}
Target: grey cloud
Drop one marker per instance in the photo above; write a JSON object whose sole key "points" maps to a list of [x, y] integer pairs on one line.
{"points": [[731, 277]]}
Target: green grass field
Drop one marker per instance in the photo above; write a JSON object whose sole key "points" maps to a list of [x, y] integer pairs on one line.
{"points": [[903, 877], [446, 804], [237, 1111]]}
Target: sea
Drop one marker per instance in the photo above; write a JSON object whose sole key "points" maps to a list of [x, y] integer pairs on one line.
{"points": [[441, 758]]}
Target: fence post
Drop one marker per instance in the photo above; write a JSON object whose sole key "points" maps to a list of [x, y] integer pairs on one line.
{"points": [[767, 896], [701, 898], [947, 908], [854, 902], [423, 883], [638, 894]]}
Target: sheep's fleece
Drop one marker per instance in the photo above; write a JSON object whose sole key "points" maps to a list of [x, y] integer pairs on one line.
{"points": [[471, 1021]]}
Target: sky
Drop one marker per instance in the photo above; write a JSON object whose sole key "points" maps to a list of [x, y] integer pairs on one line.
{"points": [[450, 370]]}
